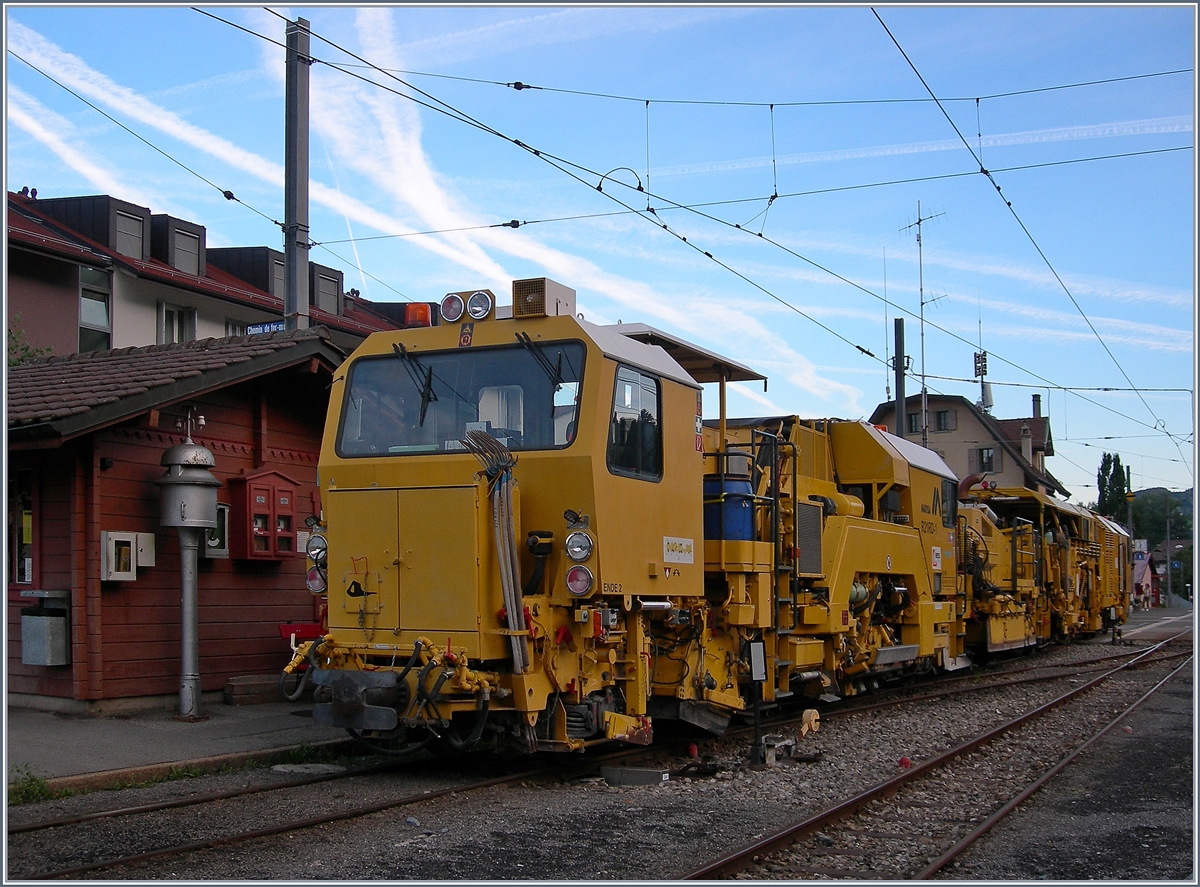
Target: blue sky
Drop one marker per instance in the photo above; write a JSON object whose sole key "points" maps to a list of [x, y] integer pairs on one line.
{"points": [[1118, 233]]}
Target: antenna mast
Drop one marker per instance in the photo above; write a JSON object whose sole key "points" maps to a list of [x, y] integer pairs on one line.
{"points": [[921, 283], [887, 386], [981, 365]]}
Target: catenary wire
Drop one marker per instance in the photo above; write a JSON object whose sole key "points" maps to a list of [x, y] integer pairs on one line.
{"points": [[368, 273], [1059, 387], [555, 161], [561, 164], [518, 85], [226, 193], [1080, 443], [738, 200], [1008, 203]]}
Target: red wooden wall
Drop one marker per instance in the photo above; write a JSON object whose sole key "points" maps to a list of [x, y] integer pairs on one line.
{"points": [[126, 635]]}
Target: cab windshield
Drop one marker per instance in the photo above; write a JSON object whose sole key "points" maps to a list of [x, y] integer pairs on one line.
{"points": [[525, 395]]}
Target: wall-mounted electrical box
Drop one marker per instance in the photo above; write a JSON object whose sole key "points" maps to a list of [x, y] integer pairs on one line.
{"points": [[123, 552], [216, 539], [262, 517], [45, 629]]}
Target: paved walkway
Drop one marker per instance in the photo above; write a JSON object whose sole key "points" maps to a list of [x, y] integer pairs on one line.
{"points": [[51, 745]]}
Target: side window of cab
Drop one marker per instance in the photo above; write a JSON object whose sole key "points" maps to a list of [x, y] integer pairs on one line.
{"points": [[635, 445]]}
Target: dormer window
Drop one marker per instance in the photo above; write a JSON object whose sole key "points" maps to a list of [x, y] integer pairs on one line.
{"points": [[327, 293], [187, 252], [129, 235]]}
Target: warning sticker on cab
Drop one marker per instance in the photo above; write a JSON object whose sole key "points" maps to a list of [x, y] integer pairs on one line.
{"points": [[678, 551]]}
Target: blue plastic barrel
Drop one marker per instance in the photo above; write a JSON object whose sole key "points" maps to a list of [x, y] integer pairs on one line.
{"points": [[737, 508]]}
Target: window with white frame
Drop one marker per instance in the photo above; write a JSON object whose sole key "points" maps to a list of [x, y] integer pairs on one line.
{"points": [[175, 323], [95, 310]]}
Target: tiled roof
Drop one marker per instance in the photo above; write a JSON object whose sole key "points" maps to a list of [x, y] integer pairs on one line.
{"points": [[29, 229], [60, 397], [28, 226], [1039, 432], [1012, 445]]}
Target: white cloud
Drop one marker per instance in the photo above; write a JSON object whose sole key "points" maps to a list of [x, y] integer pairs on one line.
{"points": [[1150, 126], [379, 137], [559, 27], [103, 90], [54, 132]]}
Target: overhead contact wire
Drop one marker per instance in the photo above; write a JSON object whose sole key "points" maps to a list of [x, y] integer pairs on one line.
{"points": [[1008, 203], [226, 193], [561, 164]]}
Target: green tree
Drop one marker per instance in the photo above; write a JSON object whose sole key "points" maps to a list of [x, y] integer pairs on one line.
{"points": [[1150, 516], [20, 350], [1110, 484]]}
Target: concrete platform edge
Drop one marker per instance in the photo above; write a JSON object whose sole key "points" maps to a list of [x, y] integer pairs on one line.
{"points": [[107, 707], [108, 779]]}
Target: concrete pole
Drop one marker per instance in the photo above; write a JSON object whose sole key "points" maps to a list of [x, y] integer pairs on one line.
{"points": [[901, 418], [295, 178], [189, 679]]}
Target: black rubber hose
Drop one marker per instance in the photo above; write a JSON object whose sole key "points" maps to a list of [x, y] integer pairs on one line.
{"points": [[293, 696], [461, 745], [535, 580]]}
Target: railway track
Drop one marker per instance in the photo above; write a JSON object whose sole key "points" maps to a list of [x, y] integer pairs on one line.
{"points": [[158, 838], [904, 820]]}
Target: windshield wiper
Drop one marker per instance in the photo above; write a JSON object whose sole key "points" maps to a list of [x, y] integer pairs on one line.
{"points": [[415, 371], [554, 371]]}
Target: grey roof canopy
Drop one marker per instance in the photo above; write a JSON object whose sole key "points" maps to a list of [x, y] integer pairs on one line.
{"points": [[701, 364]]}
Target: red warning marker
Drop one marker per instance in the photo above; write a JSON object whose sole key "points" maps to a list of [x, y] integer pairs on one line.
{"points": [[906, 762]]}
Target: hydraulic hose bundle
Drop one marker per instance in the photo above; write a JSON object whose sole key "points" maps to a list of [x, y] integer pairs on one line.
{"points": [[498, 462]]}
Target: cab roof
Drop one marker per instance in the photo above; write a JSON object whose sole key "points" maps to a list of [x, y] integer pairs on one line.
{"points": [[699, 363]]}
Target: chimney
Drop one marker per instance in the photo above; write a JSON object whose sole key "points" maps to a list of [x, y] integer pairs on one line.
{"points": [[1037, 406], [1027, 442]]}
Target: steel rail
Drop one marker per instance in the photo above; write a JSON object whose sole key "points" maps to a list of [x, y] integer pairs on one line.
{"points": [[195, 799], [352, 813], [312, 780], [785, 837], [294, 825], [958, 848], [994, 685]]}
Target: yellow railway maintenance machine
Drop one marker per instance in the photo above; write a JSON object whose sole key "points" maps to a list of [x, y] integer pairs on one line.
{"points": [[531, 537], [1039, 569]]}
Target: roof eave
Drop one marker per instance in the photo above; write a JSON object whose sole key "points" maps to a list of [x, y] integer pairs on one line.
{"points": [[52, 434]]}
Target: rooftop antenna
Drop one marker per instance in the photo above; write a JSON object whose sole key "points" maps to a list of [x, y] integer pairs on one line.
{"points": [[921, 283], [985, 389]]}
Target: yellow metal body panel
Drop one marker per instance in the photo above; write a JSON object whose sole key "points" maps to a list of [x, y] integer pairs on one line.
{"points": [[852, 570], [439, 560], [363, 538], [861, 459]]}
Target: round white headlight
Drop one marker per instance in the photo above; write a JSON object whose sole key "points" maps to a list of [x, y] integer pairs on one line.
{"points": [[452, 307], [579, 580], [579, 546], [478, 305], [317, 547]]}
